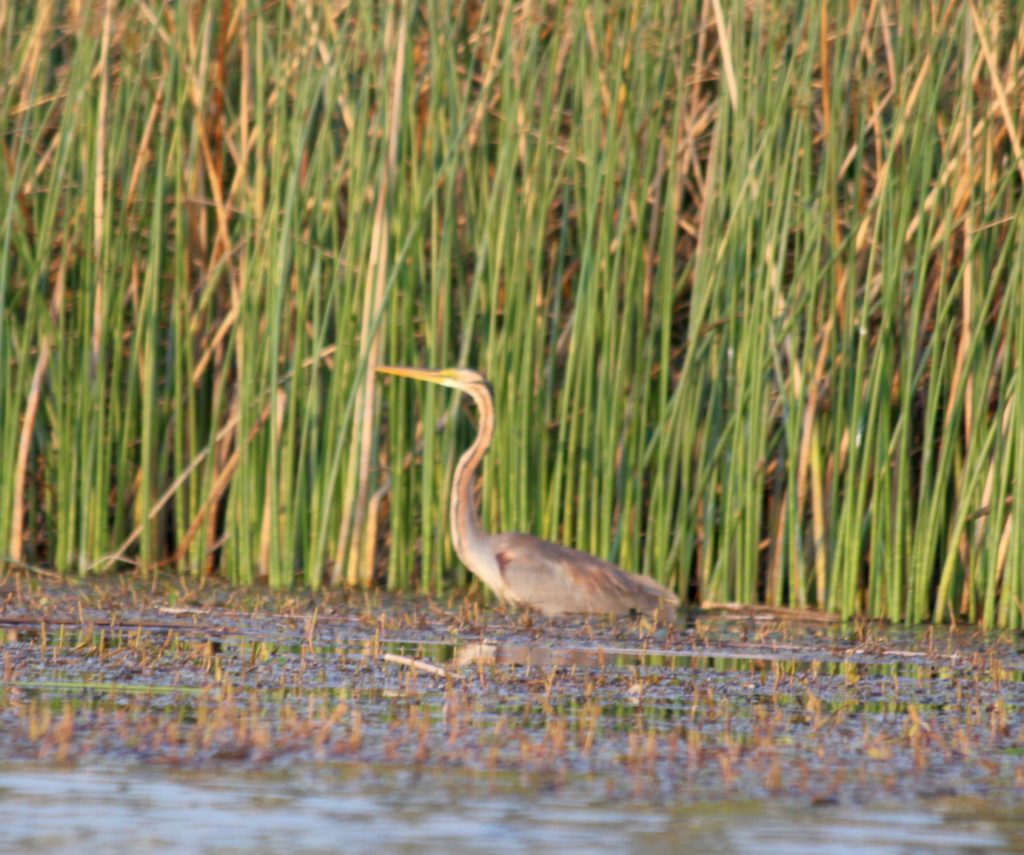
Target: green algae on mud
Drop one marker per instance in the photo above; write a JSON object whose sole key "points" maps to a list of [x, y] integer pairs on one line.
{"points": [[708, 708]]}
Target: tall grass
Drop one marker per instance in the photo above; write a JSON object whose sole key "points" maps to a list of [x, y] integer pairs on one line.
{"points": [[748, 279]]}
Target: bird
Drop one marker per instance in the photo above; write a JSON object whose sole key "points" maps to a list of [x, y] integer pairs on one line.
{"points": [[523, 570]]}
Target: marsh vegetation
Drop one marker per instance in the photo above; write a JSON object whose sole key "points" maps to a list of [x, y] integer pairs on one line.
{"points": [[747, 279]]}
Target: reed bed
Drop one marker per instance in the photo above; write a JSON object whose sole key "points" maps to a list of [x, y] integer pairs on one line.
{"points": [[748, 279]]}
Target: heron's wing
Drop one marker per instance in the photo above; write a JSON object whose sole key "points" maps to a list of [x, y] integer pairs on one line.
{"points": [[556, 579]]}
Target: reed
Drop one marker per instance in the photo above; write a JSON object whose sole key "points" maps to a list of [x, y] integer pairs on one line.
{"points": [[748, 279]]}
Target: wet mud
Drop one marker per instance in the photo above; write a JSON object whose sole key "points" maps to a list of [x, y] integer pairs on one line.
{"points": [[710, 707]]}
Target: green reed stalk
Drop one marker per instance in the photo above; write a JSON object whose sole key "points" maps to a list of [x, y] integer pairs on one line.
{"points": [[746, 279]]}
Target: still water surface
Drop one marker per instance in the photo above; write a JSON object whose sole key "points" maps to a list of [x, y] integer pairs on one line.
{"points": [[308, 810]]}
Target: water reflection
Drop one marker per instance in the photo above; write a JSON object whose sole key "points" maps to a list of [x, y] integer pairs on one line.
{"points": [[672, 717]]}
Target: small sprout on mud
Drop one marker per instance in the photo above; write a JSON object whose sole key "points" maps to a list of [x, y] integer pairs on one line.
{"points": [[998, 721], [918, 725]]}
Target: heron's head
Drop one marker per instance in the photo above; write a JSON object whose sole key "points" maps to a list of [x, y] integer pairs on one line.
{"points": [[454, 378]]}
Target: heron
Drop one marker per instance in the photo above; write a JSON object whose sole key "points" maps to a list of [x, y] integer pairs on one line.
{"points": [[523, 570]]}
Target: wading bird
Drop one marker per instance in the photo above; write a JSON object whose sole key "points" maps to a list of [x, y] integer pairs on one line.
{"points": [[521, 569]]}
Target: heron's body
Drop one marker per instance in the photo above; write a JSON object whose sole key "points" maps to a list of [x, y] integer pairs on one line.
{"points": [[521, 569]]}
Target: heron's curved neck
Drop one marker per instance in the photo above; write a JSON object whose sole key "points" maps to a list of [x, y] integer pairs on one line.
{"points": [[468, 537]]}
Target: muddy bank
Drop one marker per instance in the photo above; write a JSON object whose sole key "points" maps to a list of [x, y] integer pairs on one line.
{"points": [[710, 707]]}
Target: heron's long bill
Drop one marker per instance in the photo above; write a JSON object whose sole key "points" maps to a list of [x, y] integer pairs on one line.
{"points": [[430, 375], [453, 378]]}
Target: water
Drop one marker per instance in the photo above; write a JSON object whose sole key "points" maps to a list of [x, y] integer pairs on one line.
{"points": [[372, 810], [397, 725]]}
